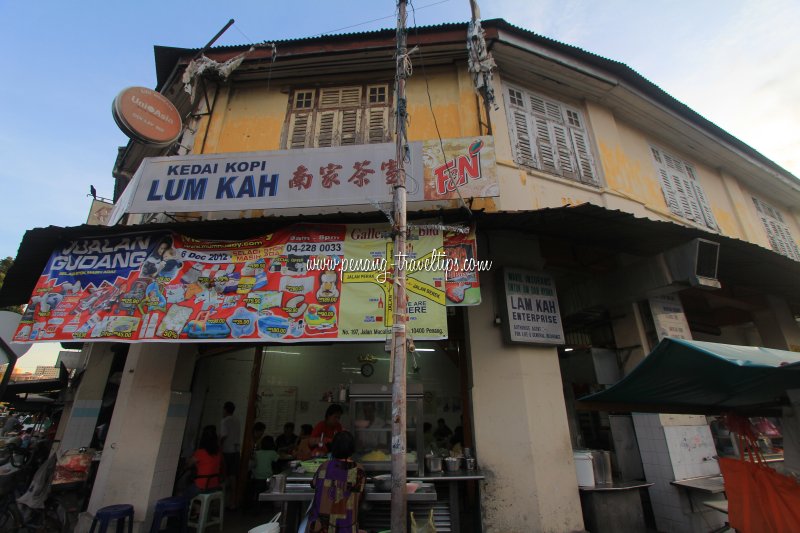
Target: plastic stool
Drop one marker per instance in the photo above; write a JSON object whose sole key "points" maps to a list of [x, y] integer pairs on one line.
{"points": [[167, 507], [204, 518], [120, 513]]}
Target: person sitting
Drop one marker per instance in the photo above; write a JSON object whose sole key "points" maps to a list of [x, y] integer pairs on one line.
{"points": [[442, 434], [264, 459], [338, 485], [303, 451], [429, 442], [457, 442], [287, 440], [207, 460]]}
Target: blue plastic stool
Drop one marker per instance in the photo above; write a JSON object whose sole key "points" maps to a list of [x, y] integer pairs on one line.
{"points": [[167, 507], [120, 513]]}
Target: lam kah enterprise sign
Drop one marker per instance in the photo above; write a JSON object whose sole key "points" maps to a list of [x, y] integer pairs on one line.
{"points": [[314, 177], [531, 308]]}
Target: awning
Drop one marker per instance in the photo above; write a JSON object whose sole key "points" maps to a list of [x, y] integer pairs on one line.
{"points": [[681, 376]]}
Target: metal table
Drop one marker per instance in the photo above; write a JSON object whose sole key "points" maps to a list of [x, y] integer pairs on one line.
{"points": [[295, 493], [613, 507], [453, 480], [702, 485]]}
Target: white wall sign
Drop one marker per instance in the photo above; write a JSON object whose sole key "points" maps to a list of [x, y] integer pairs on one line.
{"points": [[531, 307], [313, 177], [669, 318]]}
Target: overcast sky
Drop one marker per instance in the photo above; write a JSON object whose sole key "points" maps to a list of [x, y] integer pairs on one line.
{"points": [[733, 61]]}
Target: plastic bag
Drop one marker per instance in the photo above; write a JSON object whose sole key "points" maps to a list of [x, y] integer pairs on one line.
{"points": [[426, 527], [270, 527]]}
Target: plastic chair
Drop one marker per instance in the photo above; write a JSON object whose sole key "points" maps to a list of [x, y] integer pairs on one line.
{"points": [[204, 517], [168, 507], [120, 513]]}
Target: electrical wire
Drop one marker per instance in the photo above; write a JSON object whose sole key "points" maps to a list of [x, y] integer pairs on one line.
{"points": [[430, 105], [376, 19]]}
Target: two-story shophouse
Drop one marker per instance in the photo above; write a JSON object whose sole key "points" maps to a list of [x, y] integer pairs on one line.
{"points": [[606, 203]]}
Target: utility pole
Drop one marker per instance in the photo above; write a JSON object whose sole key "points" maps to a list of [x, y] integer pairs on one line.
{"points": [[400, 310]]}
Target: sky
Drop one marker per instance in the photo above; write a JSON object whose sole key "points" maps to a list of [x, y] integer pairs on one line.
{"points": [[736, 62]]}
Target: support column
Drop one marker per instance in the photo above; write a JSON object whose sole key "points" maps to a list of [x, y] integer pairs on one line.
{"points": [[144, 439], [521, 433], [777, 326], [80, 420]]}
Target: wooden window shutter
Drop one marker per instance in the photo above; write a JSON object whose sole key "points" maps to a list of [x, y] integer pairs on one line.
{"points": [[778, 234], [326, 133], [350, 126], [566, 165], [704, 206], [519, 128], [377, 125], [544, 145], [299, 130], [585, 160], [337, 97], [670, 194]]}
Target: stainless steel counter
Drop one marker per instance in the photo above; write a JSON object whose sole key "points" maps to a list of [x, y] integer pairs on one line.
{"points": [[299, 492]]}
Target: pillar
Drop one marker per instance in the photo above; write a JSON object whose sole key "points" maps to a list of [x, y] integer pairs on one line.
{"points": [[143, 444], [80, 420], [777, 326], [522, 437]]}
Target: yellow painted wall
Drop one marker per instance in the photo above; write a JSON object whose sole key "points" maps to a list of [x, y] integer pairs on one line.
{"points": [[251, 117]]}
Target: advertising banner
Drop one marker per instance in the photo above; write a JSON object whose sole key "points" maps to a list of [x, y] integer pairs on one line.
{"points": [[313, 177], [531, 308], [303, 283]]}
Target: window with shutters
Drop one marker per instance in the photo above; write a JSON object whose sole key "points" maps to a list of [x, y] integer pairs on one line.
{"points": [[338, 116], [549, 136], [780, 239], [682, 191]]}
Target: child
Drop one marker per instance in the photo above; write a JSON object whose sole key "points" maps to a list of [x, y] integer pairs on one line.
{"points": [[264, 457], [304, 448]]}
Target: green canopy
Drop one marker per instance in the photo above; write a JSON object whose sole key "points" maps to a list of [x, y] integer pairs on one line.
{"points": [[681, 376]]}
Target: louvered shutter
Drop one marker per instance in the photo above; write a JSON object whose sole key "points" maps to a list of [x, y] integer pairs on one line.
{"points": [[683, 196], [377, 125], [705, 207], [519, 130], [327, 129], [670, 194], [544, 145], [566, 165], [585, 160], [350, 122], [299, 129], [780, 238]]}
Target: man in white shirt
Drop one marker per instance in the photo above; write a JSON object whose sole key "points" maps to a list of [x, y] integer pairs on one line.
{"points": [[230, 436]]}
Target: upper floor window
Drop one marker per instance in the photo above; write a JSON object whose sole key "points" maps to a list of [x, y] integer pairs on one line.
{"points": [[338, 116], [682, 191], [549, 136], [780, 239]]}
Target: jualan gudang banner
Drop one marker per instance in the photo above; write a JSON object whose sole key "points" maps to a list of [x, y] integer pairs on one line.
{"points": [[313, 177], [303, 283]]}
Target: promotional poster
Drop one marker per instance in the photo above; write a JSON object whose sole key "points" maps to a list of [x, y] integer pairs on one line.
{"points": [[303, 283]]}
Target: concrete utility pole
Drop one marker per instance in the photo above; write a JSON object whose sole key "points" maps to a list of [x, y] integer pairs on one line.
{"points": [[399, 344]]}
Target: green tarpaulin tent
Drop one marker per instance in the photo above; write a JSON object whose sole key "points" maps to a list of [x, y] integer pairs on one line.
{"points": [[681, 376]]}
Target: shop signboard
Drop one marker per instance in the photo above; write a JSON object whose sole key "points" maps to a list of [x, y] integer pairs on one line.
{"points": [[669, 318], [147, 116], [531, 308], [313, 177], [306, 282]]}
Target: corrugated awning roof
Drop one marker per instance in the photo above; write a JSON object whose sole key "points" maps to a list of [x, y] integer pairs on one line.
{"points": [[681, 376], [741, 264]]}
